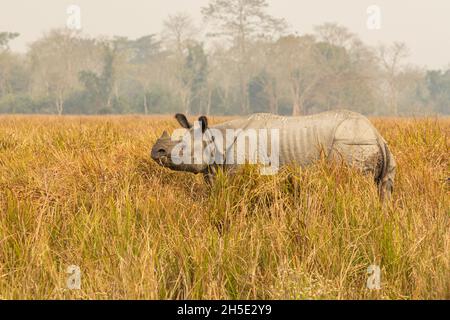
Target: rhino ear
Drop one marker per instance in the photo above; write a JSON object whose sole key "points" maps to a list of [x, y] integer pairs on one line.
{"points": [[183, 121], [204, 123], [165, 135]]}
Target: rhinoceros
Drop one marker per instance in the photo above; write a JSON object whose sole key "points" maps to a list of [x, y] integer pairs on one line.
{"points": [[341, 135]]}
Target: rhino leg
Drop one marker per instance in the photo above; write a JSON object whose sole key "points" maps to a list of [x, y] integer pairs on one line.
{"points": [[385, 189], [371, 160], [374, 165], [210, 175], [366, 158], [382, 167], [386, 181]]}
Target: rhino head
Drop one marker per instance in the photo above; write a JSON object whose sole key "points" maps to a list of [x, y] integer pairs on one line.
{"points": [[169, 149]]}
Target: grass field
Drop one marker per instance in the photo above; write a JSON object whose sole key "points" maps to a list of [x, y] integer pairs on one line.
{"points": [[83, 191]]}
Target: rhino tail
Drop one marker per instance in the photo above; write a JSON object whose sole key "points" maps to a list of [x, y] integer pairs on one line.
{"points": [[386, 179]]}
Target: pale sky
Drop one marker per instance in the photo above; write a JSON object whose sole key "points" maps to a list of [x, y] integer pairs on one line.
{"points": [[424, 25]]}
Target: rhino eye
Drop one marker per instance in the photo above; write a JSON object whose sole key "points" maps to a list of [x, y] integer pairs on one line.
{"points": [[182, 145]]}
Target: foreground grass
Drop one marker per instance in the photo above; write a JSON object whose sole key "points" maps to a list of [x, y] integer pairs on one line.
{"points": [[83, 191]]}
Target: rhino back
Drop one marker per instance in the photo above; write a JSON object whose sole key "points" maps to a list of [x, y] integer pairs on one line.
{"points": [[357, 142], [301, 139], [341, 135]]}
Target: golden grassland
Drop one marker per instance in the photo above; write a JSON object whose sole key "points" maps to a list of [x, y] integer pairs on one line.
{"points": [[84, 191]]}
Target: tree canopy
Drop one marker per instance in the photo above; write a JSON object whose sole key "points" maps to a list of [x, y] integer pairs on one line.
{"points": [[242, 61]]}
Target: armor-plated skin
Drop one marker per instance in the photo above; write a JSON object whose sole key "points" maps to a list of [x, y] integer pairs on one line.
{"points": [[338, 135]]}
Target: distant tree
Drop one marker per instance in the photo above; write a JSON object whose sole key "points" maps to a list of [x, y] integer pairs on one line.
{"points": [[13, 73], [56, 59], [334, 35], [5, 38], [220, 81], [392, 58], [438, 84], [298, 69], [144, 49], [348, 69], [11, 66], [100, 86], [179, 33], [264, 81], [147, 60], [241, 22], [248, 65], [262, 93], [195, 75]]}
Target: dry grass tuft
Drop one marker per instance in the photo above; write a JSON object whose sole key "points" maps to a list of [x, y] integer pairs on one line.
{"points": [[83, 191]]}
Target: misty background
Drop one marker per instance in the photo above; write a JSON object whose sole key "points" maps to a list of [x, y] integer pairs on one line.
{"points": [[224, 57]]}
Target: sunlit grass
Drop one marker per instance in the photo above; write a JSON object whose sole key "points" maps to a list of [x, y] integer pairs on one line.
{"points": [[83, 191]]}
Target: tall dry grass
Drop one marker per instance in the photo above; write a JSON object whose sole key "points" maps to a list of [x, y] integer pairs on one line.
{"points": [[83, 191]]}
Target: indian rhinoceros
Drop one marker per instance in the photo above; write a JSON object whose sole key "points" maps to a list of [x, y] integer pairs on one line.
{"points": [[341, 135]]}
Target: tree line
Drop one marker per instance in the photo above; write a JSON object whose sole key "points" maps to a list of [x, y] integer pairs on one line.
{"points": [[241, 61]]}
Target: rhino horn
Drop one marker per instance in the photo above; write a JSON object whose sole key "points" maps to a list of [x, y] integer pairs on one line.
{"points": [[165, 135]]}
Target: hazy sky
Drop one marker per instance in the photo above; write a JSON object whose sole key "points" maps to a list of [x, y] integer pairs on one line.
{"points": [[423, 24]]}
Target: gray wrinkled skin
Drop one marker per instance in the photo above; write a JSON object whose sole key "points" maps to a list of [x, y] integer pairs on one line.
{"points": [[342, 136], [161, 152]]}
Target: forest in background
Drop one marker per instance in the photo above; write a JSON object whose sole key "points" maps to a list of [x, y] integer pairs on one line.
{"points": [[241, 60]]}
